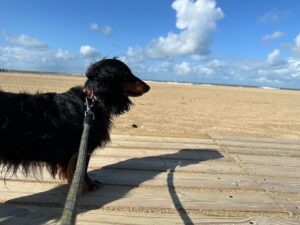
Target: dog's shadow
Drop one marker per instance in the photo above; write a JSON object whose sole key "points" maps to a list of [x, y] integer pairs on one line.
{"points": [[31, 209]]}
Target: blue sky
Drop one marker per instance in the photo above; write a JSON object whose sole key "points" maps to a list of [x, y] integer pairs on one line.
{"points": [[207, 41]]}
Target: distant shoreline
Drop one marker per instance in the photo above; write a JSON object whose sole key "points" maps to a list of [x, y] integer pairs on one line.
{"points": [[226, 85], [160, 81], [39, 72]]}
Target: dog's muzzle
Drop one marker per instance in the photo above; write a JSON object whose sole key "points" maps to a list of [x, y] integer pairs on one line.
{"points": [[136, 89]]}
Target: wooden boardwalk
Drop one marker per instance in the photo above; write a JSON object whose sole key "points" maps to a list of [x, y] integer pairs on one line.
{"points": [[160, 180]]}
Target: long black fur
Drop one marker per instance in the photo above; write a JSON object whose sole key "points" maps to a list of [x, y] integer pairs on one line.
{"points": [[45, 129]]}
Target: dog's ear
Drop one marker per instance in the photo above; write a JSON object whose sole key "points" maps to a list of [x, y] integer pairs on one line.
{"points": [[92, 71], [90, 76], [98, 70]]}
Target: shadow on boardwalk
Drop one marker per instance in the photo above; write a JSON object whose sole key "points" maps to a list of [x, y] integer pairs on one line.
{"points": [[31, 209]]}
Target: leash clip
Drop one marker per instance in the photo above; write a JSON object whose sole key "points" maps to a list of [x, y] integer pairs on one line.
{"points": [[88, 108], [89, 103]]}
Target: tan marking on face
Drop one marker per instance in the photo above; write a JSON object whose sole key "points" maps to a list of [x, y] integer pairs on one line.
{"points": [[136, 89]]}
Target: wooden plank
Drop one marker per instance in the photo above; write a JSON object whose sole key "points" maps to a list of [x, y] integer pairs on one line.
{"points": [[125, 177], [277, 184], [161, 164], [145, 199], [291, 202], [163, 220], [261, 151], [293, 208], [179, 180], [136, 178], [28, 215], [261, 145], [268, 160], [13, 214], [162, 145], [276, 171], [162, 139], [187, 154], [255, 139]]}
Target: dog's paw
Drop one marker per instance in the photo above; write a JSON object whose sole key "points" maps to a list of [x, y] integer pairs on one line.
{"points": [[91, 185]]}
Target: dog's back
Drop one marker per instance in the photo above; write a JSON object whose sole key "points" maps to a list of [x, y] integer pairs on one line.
{"points": [[34, 128]]}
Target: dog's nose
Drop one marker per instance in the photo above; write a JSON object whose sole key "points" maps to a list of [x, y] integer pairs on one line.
{"points": [[146, 87]]}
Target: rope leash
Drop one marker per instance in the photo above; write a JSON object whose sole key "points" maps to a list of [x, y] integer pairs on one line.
{"points": [[69, 212]]}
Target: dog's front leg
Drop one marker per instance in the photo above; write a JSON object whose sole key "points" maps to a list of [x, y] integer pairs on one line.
{"points": [[89, 184]]}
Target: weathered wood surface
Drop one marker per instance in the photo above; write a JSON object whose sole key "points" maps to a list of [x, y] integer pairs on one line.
{"points": [[152, 180]]}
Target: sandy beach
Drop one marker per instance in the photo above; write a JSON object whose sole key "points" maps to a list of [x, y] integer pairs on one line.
{"points": [[181, 110]]}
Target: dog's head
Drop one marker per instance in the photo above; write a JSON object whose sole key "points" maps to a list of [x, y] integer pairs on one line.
{"points": [[112, 80]]}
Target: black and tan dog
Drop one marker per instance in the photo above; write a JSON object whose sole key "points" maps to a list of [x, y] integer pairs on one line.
{"points": [[45, 129]]}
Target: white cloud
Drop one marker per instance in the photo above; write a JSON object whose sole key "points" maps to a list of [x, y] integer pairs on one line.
{"points": [[204, 70], [160, 68], [273, 72], [287, 73], [26, 53], [41, 59], [297, 44], [294, 67], [216, 63], [263, 80], [183, 68], [273, 36], [106, 30], [88, 51], [272, 16], [197, 57], [196, 21], [94, 26], [62, 54], [135, 54], [274, 57], [25, 41]]}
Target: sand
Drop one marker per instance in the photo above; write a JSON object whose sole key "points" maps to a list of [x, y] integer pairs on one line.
{"points": [[198, 111]]}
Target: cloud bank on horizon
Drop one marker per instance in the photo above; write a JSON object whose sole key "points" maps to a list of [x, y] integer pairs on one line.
{"points": [[185, 52]]}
